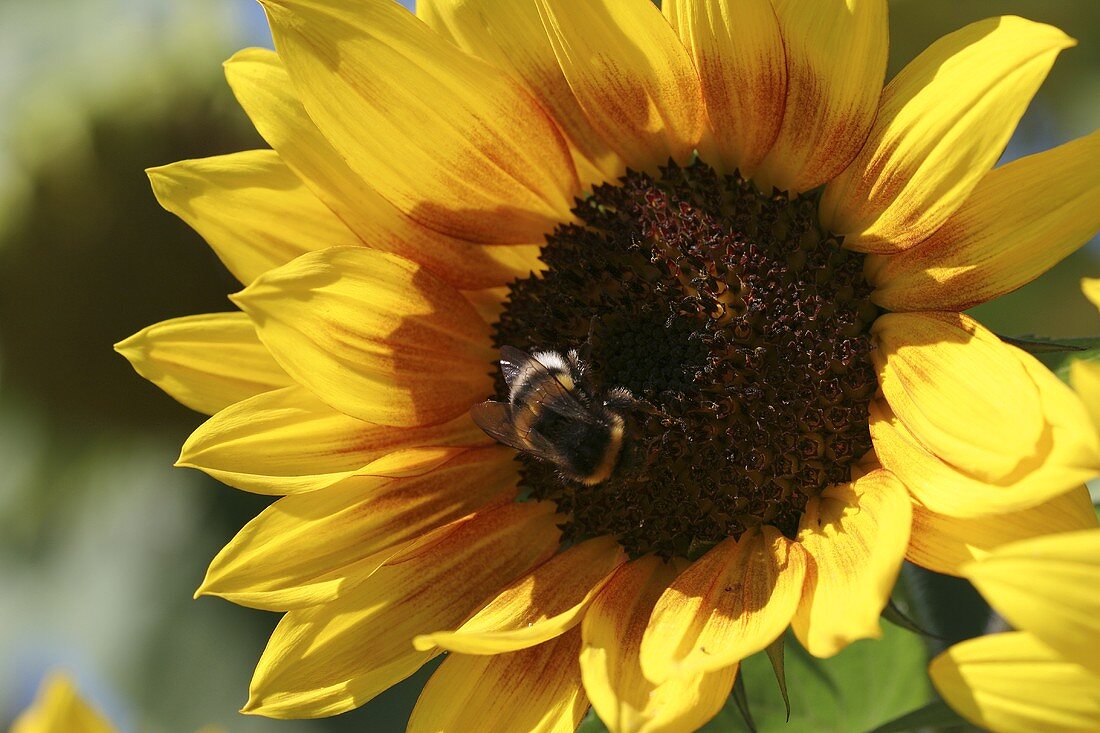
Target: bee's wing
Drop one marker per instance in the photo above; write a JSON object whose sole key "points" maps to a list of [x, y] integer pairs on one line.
{"points": [[495, 418], [511, 363]]}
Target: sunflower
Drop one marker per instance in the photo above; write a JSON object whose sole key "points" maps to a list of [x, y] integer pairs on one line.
{"points": [[726, 215], [1046, 674], [59, 708]]}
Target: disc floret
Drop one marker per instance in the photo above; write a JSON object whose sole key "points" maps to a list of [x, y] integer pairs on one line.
{"points": [[743, 330]]}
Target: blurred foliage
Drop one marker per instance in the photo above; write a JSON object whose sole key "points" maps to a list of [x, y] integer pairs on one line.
{"points": [[101, 541]]}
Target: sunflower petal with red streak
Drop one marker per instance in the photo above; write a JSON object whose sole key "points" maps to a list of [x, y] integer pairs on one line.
{"points": [[288, 441], [855, 535], [305, 550], [263, 88], [942, 124], [1021, 219], [613, 630], [510, 35], [836, 63], [543, 604], [738, 49], [730, 604], [484, 162], [373, 335], [631, 76], [535, 690], [331, 658]]}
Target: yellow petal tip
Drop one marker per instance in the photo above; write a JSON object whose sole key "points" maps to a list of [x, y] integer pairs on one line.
{"points": [[243, 299], [424, 642], [244, 54], [184, 461], [128, 347], [966, 569], [657, 670], [159, 175], [247, 297], [276, 5]]}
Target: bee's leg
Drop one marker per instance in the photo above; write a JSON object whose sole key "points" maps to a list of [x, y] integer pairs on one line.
{"points": [[578, 370], [585, 353], [620, 399], [576, 365]]}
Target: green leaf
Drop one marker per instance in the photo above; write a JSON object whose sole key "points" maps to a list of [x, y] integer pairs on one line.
{"points": [[869, 683], [1089, 350], [935, 715], [741, 700], [775, 656], [897, 617], [591, 724], [1041, 345]]}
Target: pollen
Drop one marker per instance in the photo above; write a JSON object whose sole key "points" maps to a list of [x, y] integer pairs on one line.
{"points": [[743, 330]]}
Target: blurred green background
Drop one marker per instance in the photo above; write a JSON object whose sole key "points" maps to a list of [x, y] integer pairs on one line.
{"points": [[102, 542]]}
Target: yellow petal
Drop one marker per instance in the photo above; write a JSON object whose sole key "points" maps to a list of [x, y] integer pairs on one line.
{"points": [[482, 162], [250, 208], [539, 606], [836, 62], [206, 362], [671, 11], [489, 303], [1021, 220], [945, 543], [1091, 288], [855, 535], [738, 49], [288, 442], [1085, 378], [1049, 586], [1073, 446], [729, 604], [510, 36], [305, 550], [613, 629], [373, 335], [631, 76], [930, 368], [263, 88], [332, 658], [536, 690], [1012, 683], [942, 124], [1063, 462], [58, 708]]}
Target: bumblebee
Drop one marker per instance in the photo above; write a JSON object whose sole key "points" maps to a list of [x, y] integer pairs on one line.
{"points": [[553, 414]]}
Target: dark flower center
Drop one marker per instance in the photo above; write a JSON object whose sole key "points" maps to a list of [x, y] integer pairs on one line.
{"points": [[742, 328]]}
